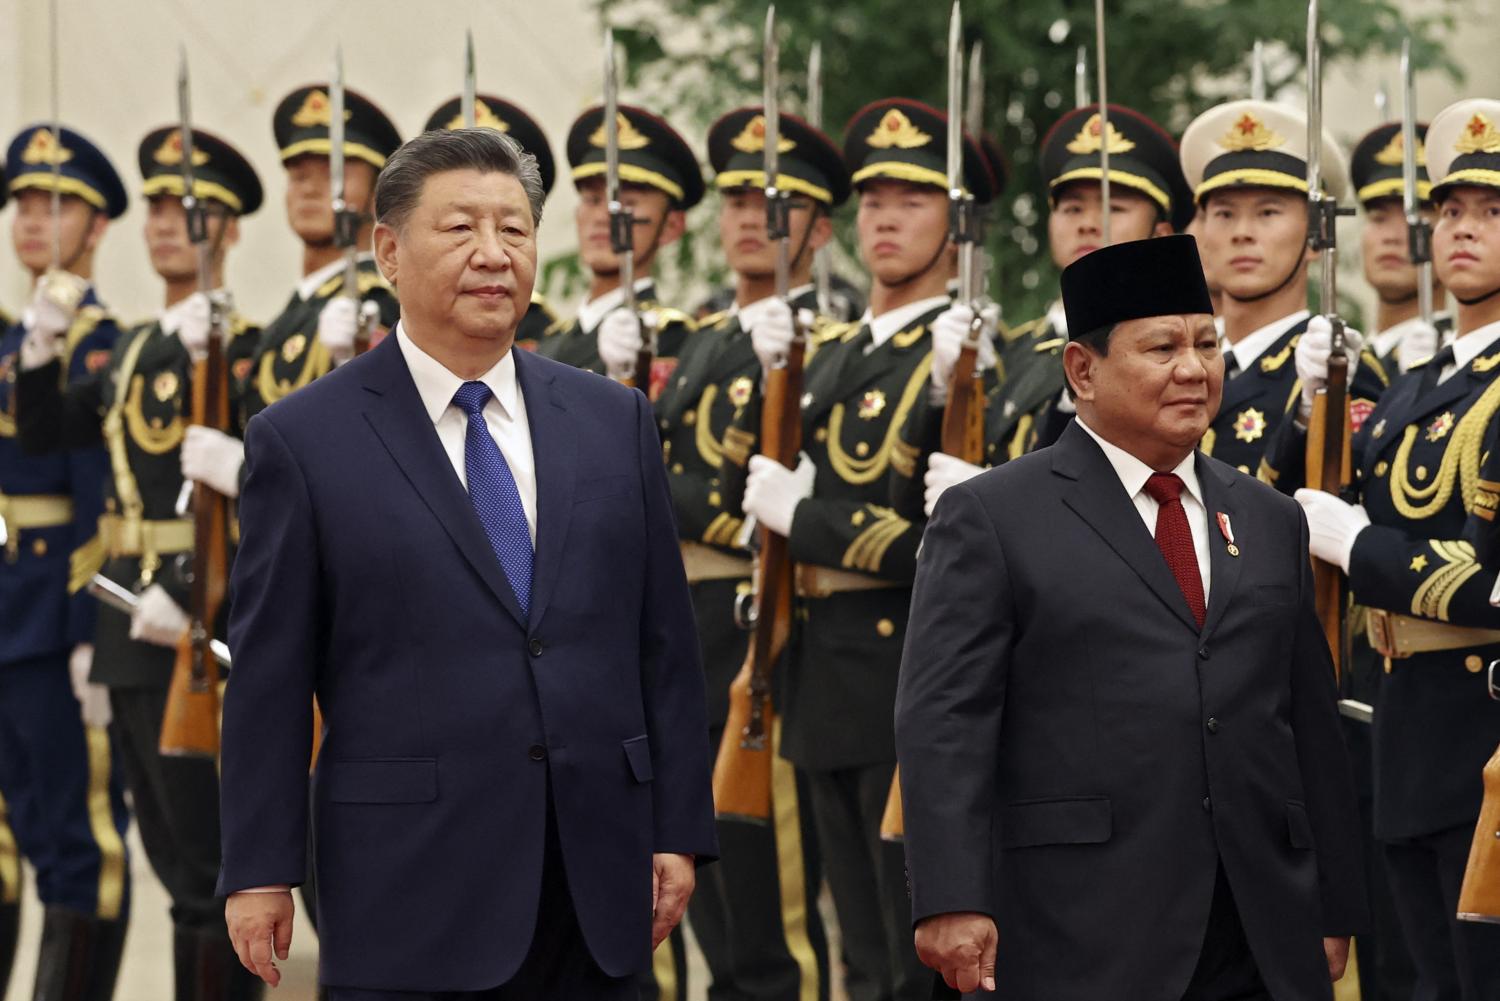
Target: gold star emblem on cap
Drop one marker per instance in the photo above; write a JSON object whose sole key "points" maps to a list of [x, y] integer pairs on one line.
{"points": [[1250, 133], [1395, 152], [43, 147], [1090, 138], [630, 136], [169, 153], [752, 138], [316, 110], [484, 118], [1479, 136], [896, 131], [1249, 425]]}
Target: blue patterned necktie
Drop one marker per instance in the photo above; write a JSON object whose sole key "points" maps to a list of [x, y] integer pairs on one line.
{"points": [[492, 491]]}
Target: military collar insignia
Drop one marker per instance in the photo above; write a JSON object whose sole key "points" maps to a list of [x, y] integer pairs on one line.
{"points": [[1485, 364], [896, 131], [630, 136], [1090, 138], [316, 110], [1249, 425], [752, 138], [1394, 153], [1479, 136], [1250, 133], [44, 147], [169, 153]]}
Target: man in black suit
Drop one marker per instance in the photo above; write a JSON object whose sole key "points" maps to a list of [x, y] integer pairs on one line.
{"points": [[1120, 755]]}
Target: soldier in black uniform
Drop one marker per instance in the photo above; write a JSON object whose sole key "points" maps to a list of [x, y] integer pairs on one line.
{"points": [[1398, 338], [1407, 546], [1026, 407], [10, 897], [755, 913], [139, 408], [58, 775], [496, 113], [659, 181], [856, 556]]}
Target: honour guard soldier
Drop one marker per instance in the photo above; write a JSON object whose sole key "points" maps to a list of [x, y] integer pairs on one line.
{"points": [[854, 555], [1407, 546], [755, 913], [659, 181], [10, 898], [1399, 337], [1026, 406], [144, 397], [1247, 164], [496, 113], [61, 785]]}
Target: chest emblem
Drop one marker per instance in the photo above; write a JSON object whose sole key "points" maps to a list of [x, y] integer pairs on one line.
{"points": [[739, 391], [242, 368], [872, 405], [293, 348], [1418, 563], [1438, 429], [1249, 425], [94, 361], [165, 386]]}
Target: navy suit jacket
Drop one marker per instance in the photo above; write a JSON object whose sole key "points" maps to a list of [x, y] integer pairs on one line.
{"points": [[364, 577], [1078, 757]]}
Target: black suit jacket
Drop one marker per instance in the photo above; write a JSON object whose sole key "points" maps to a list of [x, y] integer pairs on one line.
{"points": [[1078, 757]]}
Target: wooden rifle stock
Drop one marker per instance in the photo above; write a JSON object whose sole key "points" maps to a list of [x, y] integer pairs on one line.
{"points": [[1479, 900], [644, 360], [742, 773], [1329, 469]]}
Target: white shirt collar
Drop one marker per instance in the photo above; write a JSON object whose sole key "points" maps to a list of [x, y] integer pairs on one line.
{"points": [[436, 384], [892, 322], [593, 311], [1474, 343], [310, 285], [1057, 318], [1134, 473], [1248, 351]]}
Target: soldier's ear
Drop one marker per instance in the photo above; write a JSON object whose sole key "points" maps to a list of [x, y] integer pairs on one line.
{"points": [[674, 227], [822, 231]]}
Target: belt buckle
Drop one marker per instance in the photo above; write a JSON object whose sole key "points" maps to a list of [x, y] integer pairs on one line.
{"points": [[1382, 633]]}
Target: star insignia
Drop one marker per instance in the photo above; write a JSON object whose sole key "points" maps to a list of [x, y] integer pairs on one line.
{"points": [[1418, 563]]}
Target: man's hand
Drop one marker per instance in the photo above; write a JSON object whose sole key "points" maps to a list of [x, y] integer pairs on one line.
{"points": [[672, 880], [962, 948], [1420, 342], [1311, 357], [943, 471], [337, 325], [949, 331], [48, 317], [771, 337], [259, 923], [189, 320], [158, 619], [772, 491], [1332, 525], [214, 458], [1337, 951], [620, 341]]}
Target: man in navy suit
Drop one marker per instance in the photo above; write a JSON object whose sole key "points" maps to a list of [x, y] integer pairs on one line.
{"points": [[1120, 755], [467, 553]]}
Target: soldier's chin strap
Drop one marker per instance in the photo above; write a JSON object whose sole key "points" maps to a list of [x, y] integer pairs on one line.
{"points": [[923, 271], [1476, 301], [1291, 276]]}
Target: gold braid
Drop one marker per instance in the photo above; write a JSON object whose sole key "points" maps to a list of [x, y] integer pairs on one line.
{"points": [[1460, 462]]}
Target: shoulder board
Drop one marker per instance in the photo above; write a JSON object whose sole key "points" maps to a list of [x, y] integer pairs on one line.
{"points": [[1051, 345], [540, 302], [718, 319], [1369, 359], [1274, 362], [367, 280], [837, 331], [1021, 329], [666, 315], [1419, 363], [240, 324], [907, 338], [1486, 363]]}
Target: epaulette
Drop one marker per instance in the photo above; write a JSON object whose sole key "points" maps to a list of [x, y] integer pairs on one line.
{"points": [[1486, 363], [716, 319], [841, 331], [907, 338], [367, 280], [540, 301], [1420, 363], [1020, 330], [666, 315], [557, 326], [1050, 345]]}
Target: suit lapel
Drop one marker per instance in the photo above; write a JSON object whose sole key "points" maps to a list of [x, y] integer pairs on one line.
{"points": [[554, 443], [396, 413], [1097, 496], [1223, 568]]}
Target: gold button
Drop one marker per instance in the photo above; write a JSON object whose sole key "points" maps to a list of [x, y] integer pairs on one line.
{"points": [[689, 418], [821, 434], [1421, 472], [1474, 663], [1245, 470], [713, 498], [677, 468], [886, 628], [39, 547], [1388, 665], [1382, 467], [857, 518], [862, 449]]}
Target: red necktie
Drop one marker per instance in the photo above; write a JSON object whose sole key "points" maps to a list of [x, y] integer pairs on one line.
{"points": [[1175, 539]]}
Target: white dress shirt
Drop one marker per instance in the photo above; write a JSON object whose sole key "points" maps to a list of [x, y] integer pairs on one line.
{"points": [[504, 417], [893, 321], [1134, 473], [1248, 349], [591, 312], [1468, 347]]}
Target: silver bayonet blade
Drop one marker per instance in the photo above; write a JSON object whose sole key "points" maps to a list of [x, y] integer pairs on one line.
{"points": [[1409, 203], [466, 103], [815, 86], [1081, 78], [185, 127], [1314, 106], [611, 121], [1258, 71], [955, 100], [54, 88], [1100, 61], [771, 72], [974, 109], [336, 131]]}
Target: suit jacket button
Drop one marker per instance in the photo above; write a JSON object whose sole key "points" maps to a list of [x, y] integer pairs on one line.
{"points": [[1207, 806], [1213, 725], [537, 752], [1203, 653], [536, 648]]}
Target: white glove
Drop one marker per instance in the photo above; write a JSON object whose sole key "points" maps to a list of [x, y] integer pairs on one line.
{"points": [[213, 457], [771, 337], [772, 491], [93, 700], [157, 618], [1419, 342], [943, 471], [620, 341], [49, 316], [1332, 526], [337, 325], [189, 320], [949, 331], [1311, 358]]}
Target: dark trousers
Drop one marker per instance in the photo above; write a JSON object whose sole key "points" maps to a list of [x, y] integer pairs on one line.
{"points": [[1455, 960], [63, 796], [868, 879], [176, 803], [1226, 970], [558, 967]]}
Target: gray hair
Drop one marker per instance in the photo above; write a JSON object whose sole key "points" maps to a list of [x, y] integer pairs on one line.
{"points": [[399, 186]]}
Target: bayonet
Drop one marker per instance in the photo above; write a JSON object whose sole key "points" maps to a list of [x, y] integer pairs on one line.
{"points": [[1258, 71], [1081, 78], [1418, 229], [621, 219], [822, 272], [961, 202], [55, 88], [346, 218], [1104, 202], [974, 122], [778, 203], [466, 103]]}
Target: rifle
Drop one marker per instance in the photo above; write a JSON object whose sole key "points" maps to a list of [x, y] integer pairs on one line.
{"points": [[1418, 229], [1329, 428], [1479, 898], [466, 100], [822, 269], [1258, 71], [1081, 77], [742, 772], [346, 220], [622, 220], [1099, 55]]}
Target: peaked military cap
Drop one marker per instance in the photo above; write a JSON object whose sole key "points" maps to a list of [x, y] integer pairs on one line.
{"points": [[904, 140], [651, 153], [1133, 280], [83, 169], [810, 163], [220, 171], [303, 117], [496, 113], [1375, 164], [1256, 144], [1463, 146], [1142, 157]]}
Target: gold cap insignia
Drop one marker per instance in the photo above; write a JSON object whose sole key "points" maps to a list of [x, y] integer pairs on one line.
{"points": [[169, 153], [1395, 152], [896, 131], [484, 118], [1250, 133], [630, 136], [316, 110], [1090, 138], [1479, 136], [752, 139], [43, 147]]}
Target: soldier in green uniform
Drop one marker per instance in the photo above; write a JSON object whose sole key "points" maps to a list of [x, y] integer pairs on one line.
{"points": [[855, 556], [496, 113], [1408, 547], [58, 769], [1399, 337], [659, 181], [755, 913], [139, 407], [1026, 407]]}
